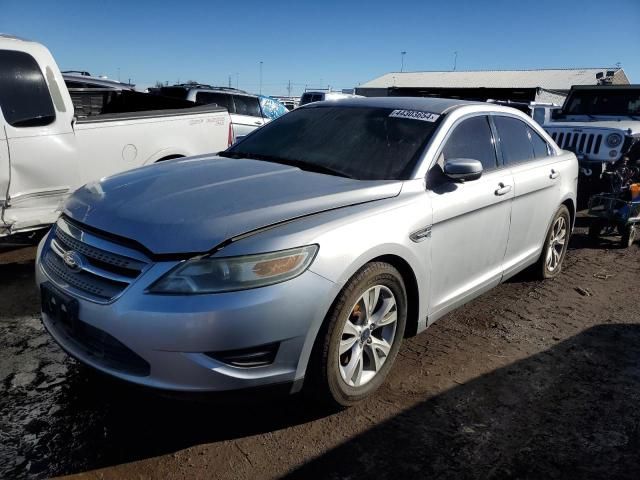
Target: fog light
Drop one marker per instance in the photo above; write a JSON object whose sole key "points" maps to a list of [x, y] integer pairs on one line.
{"points": [[247, 357]]}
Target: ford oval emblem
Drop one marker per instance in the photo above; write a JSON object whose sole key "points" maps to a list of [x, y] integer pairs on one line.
{"points": [[73, 260]]}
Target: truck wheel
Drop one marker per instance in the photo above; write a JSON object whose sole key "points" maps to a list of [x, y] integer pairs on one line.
{"points": [[555, 245], [361, 337], [628, 236]]}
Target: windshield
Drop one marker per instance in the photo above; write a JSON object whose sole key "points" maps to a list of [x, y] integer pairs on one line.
{"points": [[365, 143], [602, 102]]}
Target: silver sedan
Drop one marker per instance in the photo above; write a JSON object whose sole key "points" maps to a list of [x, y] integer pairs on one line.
{"points": [[305, 253]]}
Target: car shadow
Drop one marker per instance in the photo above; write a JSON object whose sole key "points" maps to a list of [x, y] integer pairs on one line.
{"points": [[568, 412]]}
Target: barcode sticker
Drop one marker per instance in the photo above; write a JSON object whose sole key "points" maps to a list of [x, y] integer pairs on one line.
{"points": [[415, 115]]}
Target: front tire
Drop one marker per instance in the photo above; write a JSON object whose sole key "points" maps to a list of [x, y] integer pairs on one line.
{"points": [[361, 337], [555, 245]]}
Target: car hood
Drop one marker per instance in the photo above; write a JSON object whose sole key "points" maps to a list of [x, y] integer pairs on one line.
{"points": [[193, 205]]}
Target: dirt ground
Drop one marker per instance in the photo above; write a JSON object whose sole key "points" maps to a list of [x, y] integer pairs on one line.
{"points": [[532, 380]]}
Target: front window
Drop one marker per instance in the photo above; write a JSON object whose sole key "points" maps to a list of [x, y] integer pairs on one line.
{"points": [[365, 143], [472, 138]]}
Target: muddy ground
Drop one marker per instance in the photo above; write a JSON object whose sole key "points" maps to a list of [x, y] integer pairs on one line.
{"points": [[532, 380]]}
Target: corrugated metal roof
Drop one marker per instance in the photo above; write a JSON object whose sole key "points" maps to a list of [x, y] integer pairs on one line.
{"points": [[554, 79]]}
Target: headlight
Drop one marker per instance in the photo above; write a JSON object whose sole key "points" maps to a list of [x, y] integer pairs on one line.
{"points": [[226, 274], [614, 139]]}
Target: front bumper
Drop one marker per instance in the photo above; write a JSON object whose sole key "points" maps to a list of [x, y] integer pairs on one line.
{"points": [[171, 333]]}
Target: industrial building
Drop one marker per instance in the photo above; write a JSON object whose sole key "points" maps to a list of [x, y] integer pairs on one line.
{"points": [[540, 85]]}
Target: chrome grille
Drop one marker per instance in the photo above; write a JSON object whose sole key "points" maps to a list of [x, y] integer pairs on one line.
{"points": [[578, 142], [95, 253], [106, 268]]}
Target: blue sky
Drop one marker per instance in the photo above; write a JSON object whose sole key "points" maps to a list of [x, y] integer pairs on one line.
{"points": [[323, 43]]}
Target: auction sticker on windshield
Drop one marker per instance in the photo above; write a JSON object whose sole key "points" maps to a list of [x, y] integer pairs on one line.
{"points": [[415, 115]]}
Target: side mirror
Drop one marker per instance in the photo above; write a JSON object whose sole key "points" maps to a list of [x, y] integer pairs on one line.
{"points": [[463, 169]]}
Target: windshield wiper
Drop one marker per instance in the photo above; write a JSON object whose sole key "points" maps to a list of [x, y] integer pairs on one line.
{"points": [[309, 167]]}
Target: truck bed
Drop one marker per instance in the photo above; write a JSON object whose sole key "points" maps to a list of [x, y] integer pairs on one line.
{"points": [[99, 105]]}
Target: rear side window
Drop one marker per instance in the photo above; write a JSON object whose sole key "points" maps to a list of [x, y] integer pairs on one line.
{"points": [[540, 146], [24, 96], [472, 138], [514, 140], [247, 106], [519, 142], [220, 99]]}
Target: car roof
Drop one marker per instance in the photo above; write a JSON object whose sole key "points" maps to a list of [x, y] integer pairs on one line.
{"points": [[434, 105]]}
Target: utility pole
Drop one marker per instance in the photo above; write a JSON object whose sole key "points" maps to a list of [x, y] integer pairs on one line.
{"points": [[455, 60], [118, 73], [402, 54], [260, 77], [237, 76], [229, 81], [289, 88]]}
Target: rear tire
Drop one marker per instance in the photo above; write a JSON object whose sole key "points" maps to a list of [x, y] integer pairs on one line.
{"points": [[359, 341], [555, 245]]}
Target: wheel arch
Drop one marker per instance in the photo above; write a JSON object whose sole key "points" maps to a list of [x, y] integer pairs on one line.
{"points": [[413, 307], [568, 202], [169, 157], [411, 287], [166, 154]]}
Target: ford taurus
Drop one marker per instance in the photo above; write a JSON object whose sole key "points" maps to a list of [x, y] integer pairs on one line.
{"points": [[305, 253]]}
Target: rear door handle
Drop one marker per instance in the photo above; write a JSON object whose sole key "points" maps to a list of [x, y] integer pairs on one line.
{"points": [[554, 174], [503, 190]]}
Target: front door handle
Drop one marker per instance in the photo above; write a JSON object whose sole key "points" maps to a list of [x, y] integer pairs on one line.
{"points": [[257, 123], [503, 190], [554, 174]]}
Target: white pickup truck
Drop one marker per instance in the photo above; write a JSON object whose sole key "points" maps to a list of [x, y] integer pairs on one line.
{"points": [[47, 151]]}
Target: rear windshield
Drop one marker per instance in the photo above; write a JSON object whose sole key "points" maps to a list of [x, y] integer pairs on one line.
{"points": [[365, 143], [603, 102], [175, 92]]}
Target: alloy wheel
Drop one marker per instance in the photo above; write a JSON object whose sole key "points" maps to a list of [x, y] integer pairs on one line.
{"points": [[367, 336], [556, 243]]}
